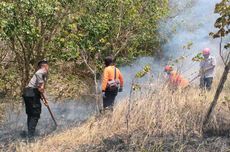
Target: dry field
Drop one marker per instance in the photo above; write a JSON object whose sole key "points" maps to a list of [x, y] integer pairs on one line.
{"points": [[158, 120]]}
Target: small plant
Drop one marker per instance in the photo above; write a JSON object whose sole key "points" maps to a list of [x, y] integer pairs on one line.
{"points": [[188, 45], [198, 58], [135, 86], [143, 72]]}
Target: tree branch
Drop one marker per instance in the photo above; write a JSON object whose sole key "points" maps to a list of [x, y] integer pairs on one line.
{"points": [[228, 58], [220, 50], [85, 61]]}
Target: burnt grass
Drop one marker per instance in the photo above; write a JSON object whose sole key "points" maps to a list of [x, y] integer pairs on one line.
{"points": [[213, 140]]}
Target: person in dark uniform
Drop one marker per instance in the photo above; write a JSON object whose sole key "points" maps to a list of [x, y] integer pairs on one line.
{"points": [[112, 82], [32, 97]]}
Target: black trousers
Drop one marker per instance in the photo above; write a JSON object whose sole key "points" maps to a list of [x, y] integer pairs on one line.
{"points": [[33, 111], [206, 83], [108, 100]]}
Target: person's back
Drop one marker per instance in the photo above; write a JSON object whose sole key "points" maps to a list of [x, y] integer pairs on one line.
{"points": [[112, 82], [177, 80], [39, 77], [109, 74]]}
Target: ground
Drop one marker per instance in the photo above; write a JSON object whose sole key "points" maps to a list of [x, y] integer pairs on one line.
{"points": [[157, 120]]}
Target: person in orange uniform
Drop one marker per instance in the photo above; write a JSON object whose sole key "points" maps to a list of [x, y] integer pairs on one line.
{"points": [[175, 79], [112, 83]]}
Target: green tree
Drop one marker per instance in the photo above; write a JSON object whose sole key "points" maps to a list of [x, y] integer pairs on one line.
{"points": [[222, 23], [121, 28], [27, 27], [83, 31]]}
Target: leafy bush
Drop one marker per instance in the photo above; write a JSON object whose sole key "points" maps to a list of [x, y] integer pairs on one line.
{"points": [[61, 29]]}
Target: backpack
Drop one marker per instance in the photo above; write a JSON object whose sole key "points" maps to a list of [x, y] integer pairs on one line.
{"points": [[113, 85]]}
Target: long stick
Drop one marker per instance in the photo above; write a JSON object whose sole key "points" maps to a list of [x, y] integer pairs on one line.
{"points": [[43, 97], [194, 79]]}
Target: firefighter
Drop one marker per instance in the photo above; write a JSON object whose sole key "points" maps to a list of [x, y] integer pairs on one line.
{"points": [[175, 79], [207, 69], [32, 97], [112, 83]]}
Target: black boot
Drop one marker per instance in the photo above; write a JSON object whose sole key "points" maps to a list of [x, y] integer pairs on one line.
{"points": [[28, 122], [32, 126]]}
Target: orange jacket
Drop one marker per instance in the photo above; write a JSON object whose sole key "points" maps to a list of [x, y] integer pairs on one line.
{"points": [[178, 80], [108, 75]]}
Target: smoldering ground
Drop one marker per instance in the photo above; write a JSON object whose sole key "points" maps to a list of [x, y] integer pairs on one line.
{"points": [[67, 114], [186, 33], [190, 24]]}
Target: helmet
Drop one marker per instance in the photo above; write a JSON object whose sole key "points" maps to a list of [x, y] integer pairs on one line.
{"points": [[168, 68], [206, 51]]}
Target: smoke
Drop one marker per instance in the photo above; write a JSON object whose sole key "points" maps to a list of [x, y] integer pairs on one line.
{"points": [[67, 114], [191, 23]]}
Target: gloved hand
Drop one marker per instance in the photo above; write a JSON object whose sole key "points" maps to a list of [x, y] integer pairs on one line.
{"points": [[120, 89], [103, 95]]}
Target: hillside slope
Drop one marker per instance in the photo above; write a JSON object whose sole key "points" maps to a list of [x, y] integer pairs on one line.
{"points": [[158, 120]]}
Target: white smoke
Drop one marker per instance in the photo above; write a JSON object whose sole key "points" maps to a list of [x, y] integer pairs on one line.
{"points": [[192, 22], [67, 114], [192, 25]]}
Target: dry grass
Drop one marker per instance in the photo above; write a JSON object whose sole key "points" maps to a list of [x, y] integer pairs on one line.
{"points": [[155, 113], [2, 107]]}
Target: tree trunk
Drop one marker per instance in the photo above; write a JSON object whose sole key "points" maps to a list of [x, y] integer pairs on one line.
{"points": [[96, 91], [217, 94]]}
